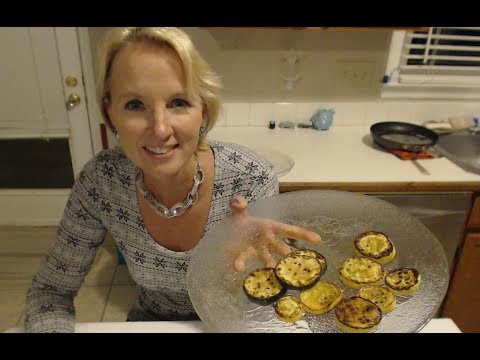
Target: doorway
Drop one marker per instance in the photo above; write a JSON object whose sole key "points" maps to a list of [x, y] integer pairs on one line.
{"points": [[44, 122]]}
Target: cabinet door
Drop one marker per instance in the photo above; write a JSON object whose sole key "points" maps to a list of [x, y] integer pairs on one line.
{"points": [[463, 298], [474, 219]]}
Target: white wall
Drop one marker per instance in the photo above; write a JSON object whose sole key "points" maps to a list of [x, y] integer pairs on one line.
{"points": [[359, 113], [250, 64]]}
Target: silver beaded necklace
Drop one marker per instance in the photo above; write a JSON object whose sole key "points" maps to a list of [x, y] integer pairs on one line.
{"points": [[179, 208]]}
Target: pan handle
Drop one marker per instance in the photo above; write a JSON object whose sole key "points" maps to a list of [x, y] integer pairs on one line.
{"points": [[420, 167]]}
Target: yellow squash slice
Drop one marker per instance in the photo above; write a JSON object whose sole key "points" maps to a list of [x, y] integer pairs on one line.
{"points": [[381, 296], [298, 271], [321, 298], [357, 314], [288, 309], [403, 281], [357, 272], [374, 245], [262, 286], [314, 254]]}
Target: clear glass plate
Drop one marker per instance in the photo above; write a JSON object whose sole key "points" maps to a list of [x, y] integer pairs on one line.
{"points": [[338, 216], [282, 163]]}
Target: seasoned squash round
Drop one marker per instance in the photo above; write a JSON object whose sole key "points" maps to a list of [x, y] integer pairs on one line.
{"points": [[403, 281], [374, 245], [262, 286], [357, 272], [298, 271], [321, 298], [288, 308], [381, 296], [315, 254], [357, 314]]}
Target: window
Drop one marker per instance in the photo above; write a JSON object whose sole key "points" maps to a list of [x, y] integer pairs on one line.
{"points": [[443, 62]]}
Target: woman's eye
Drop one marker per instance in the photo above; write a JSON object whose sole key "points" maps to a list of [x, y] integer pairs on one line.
{"points": [[179, 103], [134, 105]]}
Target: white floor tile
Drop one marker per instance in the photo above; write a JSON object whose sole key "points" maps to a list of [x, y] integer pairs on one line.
{"points": [[119, 303], [12, 307], [90, 303]]}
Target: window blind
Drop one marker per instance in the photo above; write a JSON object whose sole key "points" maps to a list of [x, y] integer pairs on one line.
{"points": [[441, 55]]}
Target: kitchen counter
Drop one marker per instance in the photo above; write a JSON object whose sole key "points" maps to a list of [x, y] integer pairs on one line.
{"points": [[346, 158], [441, 325]]}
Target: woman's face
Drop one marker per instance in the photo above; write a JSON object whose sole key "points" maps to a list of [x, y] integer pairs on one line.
{"points": [[157, 124]]}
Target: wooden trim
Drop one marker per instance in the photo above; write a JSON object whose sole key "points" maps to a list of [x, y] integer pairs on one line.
{"points": [[94, 115], [32, 207], [362, 28], [81, 149], [462, 302], [103, 131], [324, 28], [414, 187], [33, 134]]}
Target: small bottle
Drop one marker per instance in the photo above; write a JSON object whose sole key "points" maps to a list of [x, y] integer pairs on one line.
{"points": [[394, 76], [475, 129]]}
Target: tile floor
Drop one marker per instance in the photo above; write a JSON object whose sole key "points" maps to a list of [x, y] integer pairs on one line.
{"points": [[106, 295]]}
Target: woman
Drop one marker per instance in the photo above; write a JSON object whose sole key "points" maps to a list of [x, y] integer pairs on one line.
{"points": [[161, 190]]}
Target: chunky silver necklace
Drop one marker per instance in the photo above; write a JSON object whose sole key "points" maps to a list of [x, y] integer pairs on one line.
{"points": [[179, 208]]}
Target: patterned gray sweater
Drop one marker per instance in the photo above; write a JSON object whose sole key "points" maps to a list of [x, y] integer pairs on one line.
{"points": [[103, 199]]}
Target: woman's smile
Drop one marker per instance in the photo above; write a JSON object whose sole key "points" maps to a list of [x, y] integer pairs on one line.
{"points": [[160, 153]]}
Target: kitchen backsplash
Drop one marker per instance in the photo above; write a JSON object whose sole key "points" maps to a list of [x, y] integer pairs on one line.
{"points": [[346, 113]]}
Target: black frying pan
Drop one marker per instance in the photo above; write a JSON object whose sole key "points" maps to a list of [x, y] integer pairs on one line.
{"points": [[403, 136]]}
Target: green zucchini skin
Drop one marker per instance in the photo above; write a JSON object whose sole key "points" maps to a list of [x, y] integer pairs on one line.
{"points": [[292, 287], [267, 301], [263, 287]]}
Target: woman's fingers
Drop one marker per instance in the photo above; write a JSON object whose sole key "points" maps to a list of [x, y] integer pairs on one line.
{"points": [[238, 204], [264, 254], [266, 238], [298, 233], [240, 262], [280, 247]]}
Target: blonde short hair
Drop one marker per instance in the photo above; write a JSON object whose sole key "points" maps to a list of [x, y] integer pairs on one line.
{"points": [[201, 80]]}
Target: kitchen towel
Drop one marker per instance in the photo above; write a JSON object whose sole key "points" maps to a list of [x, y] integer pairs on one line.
{"points": [[411, 155]]}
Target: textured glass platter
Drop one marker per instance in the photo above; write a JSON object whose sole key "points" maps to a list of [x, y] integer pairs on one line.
{"points": [[338, 216], [282, 163]]}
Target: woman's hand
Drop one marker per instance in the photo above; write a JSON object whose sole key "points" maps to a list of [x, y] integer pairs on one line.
{"points": [[264, 236]]}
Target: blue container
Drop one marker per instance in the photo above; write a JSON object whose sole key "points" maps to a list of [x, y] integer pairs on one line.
{"points": [[323, 119], [121, 259]]}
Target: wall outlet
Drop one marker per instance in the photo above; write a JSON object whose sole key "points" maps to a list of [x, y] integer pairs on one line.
{"points": [[354, 75]]}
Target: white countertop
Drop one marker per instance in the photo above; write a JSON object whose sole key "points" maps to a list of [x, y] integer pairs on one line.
{"points": [[341, 154], [441, 325]]}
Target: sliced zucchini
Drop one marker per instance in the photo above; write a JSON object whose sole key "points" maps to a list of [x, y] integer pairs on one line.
{"points": [[315, 254], [288, 309], [381, 296], [298, 271], [403, 281], [357, 314], [374, 245], [262, 286], [357, 272], [321, 298]]}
